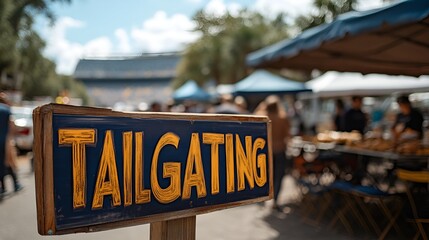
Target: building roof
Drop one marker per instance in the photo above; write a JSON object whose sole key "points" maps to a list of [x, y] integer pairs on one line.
{"points": [[145, 66]]}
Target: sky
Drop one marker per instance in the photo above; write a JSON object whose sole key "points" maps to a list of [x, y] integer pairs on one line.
{"points": [[103, 28]]}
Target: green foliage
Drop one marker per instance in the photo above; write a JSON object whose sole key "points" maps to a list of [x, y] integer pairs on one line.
{"points": [[40, 80], [16, 18], [220, 52], [8, 38], [327, 10], [21, 52], [75, 88], [39, 77]]}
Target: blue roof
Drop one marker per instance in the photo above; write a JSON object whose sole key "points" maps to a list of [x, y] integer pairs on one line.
{"points": [[142, 67], [191, 91], [346, 27], [264, 82]]}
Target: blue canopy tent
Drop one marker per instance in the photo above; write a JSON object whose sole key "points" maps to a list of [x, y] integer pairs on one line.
{"points": [[264, 82], [390, 40], [191, 91]]}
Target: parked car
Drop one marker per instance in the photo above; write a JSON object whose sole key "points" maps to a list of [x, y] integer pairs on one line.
{"points": [[22, 117]]}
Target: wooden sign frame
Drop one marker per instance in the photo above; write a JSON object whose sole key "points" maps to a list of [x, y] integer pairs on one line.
{"points": [[44, 169]]}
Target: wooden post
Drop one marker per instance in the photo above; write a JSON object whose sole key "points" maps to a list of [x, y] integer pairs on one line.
{"points": [[180, 229]]}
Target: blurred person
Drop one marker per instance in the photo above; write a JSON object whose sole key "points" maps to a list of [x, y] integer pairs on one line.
{"points": [[241, 103], [170, 106], [155, 107], [409, 121], [226, 106], [10, 164], [4, 130], [188, 106], [272, 108], [354, 118], [10, 154], [192, 106], [297, 127], [339, 123], [178, 108]]}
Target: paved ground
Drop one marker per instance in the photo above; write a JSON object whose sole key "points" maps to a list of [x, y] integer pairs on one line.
{"points": [[257, 221]]}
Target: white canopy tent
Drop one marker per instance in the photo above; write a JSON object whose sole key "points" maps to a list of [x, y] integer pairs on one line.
{"points": [[336, 84], [341, 85]]}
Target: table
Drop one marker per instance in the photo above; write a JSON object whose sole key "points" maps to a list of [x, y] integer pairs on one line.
{"points": [[389, 155]]}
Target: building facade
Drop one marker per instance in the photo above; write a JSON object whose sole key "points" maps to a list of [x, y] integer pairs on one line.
{"points": [[130, 81]]}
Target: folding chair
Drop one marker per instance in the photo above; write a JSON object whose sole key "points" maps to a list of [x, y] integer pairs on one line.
{"points": [[342, 192], [412, 177], [315, 202], [366, 195]]}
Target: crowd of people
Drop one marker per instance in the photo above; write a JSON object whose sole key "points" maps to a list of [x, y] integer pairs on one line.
{"points": [[408, 122], [8, 153]]}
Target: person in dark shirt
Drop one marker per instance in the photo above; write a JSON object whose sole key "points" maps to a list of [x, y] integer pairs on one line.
{"points": [[4, 131], [355, 119], [409, 120], [339, 116]]}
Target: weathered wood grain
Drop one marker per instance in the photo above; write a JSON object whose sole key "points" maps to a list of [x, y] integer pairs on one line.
{"points": [[178, 229]]}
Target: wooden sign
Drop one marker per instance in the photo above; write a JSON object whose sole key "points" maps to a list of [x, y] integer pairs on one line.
{"points": [[98, 169]]}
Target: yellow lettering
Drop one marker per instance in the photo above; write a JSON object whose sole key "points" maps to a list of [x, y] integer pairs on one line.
{"points": [[142, 195], [214, 139], [127, 139], [261, 163], [244, 164], [107, 167], [229, 152], [78, 138], [170, 169], [194, 179]]}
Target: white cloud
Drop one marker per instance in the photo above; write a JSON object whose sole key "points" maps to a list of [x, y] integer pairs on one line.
{"points": [[219, 8], [163, 33], [98, 47], [63, 52], [123, 39], [293, 8], [370, 4]]}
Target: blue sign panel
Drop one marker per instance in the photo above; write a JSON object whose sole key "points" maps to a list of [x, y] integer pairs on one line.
{"points": [[116, 168]]}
